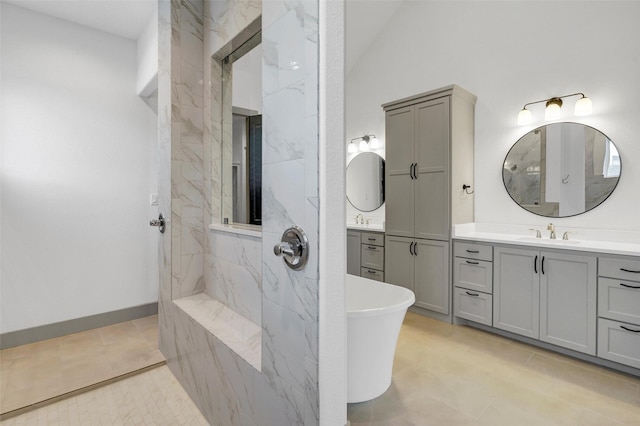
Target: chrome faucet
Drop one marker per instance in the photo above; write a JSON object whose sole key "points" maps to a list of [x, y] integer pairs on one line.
{"points": [[552, 228], [361, 218]]}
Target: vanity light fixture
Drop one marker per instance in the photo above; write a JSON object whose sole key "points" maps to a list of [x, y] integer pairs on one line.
{"points": [[553, 107], [367, 143]]}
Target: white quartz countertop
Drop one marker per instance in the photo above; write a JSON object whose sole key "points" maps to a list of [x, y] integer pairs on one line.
{"points": [[620, 242], [374, 227]]}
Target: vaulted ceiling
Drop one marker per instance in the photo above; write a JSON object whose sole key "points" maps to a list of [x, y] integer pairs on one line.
{"points": [[124, 18]]}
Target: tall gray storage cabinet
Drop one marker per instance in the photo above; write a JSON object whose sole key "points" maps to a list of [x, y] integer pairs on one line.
{"points": [[429, 156]]}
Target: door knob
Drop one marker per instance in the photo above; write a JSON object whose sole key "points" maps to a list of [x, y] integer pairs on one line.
{"points": [[159, 222], [294, 248]]}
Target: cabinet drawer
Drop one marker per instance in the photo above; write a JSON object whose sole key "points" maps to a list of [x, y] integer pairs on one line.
{"points": [[372, 274], [626, 269], [372, 257], [473, 274], [619, 300], [473, 251], [373, 238], [619, 344], [473, 305]]}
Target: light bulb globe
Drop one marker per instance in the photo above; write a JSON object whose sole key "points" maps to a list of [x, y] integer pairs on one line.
{"points": [[552, 112], [375, 143], [524, 117], [583, 106]]}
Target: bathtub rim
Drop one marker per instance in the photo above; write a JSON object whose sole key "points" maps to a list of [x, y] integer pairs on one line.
{"points": [[384, 310]]}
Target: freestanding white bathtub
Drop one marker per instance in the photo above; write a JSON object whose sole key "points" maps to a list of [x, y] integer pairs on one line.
{"points": [[375, 312]]}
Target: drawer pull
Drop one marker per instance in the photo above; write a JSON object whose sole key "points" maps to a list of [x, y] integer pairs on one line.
{"points": [[629, 270], [472, 263], [628, 329], [372, 248], [370, 271], [473, 251], [371, 239], [630, 286], [472, 294]]}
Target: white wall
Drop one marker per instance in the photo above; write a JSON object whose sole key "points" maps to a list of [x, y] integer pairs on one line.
{"points": [[247, 81], [508, 54], [147, 56], [78, 165]]}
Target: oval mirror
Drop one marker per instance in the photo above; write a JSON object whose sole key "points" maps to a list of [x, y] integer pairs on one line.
{"points": [[561, 169], [365, 181]]}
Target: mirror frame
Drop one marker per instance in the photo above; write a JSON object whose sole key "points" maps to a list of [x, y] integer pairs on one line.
{"points": [[381, 189], [558, 216]]}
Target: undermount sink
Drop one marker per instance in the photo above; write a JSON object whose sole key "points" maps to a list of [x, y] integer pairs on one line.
{"points": [[549, 241]]}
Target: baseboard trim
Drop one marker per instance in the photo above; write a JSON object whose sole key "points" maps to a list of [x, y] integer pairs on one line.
{"points": [[50, 331]]}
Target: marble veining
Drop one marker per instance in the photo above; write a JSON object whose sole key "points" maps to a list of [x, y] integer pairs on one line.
{"points": [[218, 276], [236, 270], [235, 331]]}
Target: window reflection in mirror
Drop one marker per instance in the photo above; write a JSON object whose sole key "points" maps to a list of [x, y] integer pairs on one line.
{"points": [[242, 134]]}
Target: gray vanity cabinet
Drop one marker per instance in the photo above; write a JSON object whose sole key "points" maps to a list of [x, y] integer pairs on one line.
{"points": [[429, 156], [399, 180], [568, 301], [421, 266], [547, 296], [432, 275], [365, 254], [400, 262], [353, 252], [516, 290], [619, 309], [418, 170]]}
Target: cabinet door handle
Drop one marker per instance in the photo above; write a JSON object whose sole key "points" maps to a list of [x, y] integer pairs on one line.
{"points": [[629, 286], [411, 248], [628, 329], [473, 251], [415, 248], [415, 171], [472, 263], [535, 264], [542, 265], [629, 270], [411, 171], [472, 294]]}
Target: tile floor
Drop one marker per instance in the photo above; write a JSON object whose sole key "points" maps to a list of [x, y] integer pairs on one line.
{"points": [[443, 375], [454, 375], [39, 371], [151, 398]]}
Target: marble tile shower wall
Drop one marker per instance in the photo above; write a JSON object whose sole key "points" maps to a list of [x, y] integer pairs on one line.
{"points": [[226, 388], [187, 148], [233, 273]]}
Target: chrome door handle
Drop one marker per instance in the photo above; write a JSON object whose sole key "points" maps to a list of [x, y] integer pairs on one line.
{"points": [[159, 222], [294, 248]]}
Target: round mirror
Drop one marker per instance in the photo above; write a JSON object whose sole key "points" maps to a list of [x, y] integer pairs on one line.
{"points": [[561, 169], [365, 181]]}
